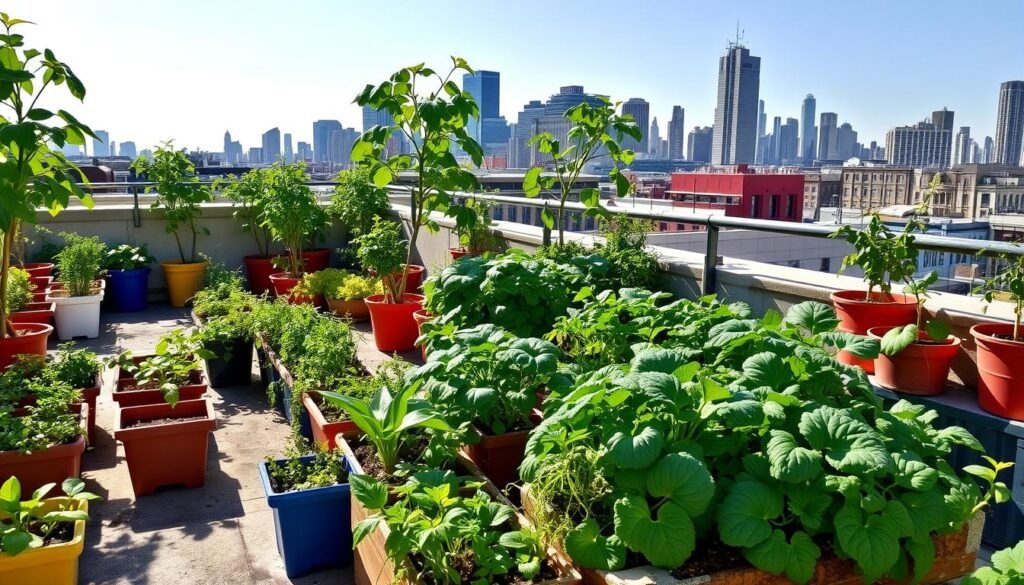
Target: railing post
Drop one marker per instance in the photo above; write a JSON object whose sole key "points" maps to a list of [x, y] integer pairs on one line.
{"points": [[136, 213], [546, 233], [707, 284]]}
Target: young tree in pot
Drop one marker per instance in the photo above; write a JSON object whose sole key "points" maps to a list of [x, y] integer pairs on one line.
{"points": [[180, 195], [356, 203], [78, 299], [381, 251], [1001, 345], [33, 175], [128, 274], [292, 214], [916, 358], [251, 193], [475, 238]]}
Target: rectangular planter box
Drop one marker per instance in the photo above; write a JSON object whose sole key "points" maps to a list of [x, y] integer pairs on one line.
{"points": [[89, 395], [52, 465], [193, 391], [167, 454], [311, 525], [55, 564], [235, 370], [35, 313], [284, 399], [325, 431], [499, 456]]}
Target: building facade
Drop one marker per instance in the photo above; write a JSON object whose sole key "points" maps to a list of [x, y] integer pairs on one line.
{"points": [[676, 130], [1010, 124], [289, 154], [640, 110], [741, 192], [271, 150], [699, 144], [808, 131], [654, 139], [828, 136], [789, 142], [822, 188], [101, 143], [127, 149], [925, 144], [962, 146], [735, 130], [553, 119], [322, 136], [871, 187]]}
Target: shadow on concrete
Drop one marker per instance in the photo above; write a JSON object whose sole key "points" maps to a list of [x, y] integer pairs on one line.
{"points": [[126, 558]]}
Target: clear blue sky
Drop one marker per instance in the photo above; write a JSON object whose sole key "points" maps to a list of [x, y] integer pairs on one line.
{"points": [[190, 69]]}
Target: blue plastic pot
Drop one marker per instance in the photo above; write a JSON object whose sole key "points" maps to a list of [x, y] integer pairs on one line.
{"points": [[128, 289], [314, 526], [284, 401]]}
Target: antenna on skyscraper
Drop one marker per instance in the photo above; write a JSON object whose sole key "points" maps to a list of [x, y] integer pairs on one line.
{"points": [[738, 43]]}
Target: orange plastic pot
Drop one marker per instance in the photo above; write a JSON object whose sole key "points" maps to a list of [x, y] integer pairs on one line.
{"points": [[354, 309], [413, 280], [50, 465], [30, 339], [458, 253], [1000, 370], [857, 315], [422, 317], [325, 431], [920, 369], [394, 328], [259, 270], [283, 284]]}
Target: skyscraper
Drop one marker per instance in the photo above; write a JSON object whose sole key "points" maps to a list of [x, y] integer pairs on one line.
{"points": [[322, 136], [101, 144], [1009, 124], [943, 120], [289, 156], [828, 138], [988, 150], [789, 142], [846, 142], [518, 153], [227, 146], [640, 110], [271, 150], [304, 151], [776, 134], [654, 139], [485, 87], [925, 144], [128, 149], [808, 131], [699, 144], [735, 130], [762, 127], [553, 118], [676, 133], [962, 146]]}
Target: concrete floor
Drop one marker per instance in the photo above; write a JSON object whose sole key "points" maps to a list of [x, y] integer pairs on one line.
{"points": [[220, 534]]}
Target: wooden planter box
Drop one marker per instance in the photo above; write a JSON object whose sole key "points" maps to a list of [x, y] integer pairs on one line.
{"points": [[51, 465], [284, 399], [955, 556], [325, 431]]}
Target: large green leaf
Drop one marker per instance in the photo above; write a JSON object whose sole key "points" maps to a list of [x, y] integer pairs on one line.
{"points": [[588, 547], [369, 492], [662, 360], [683, 479], [812, 316], [796, 558], [928, 509], [922, 553], [635, 452], [743, 516], [897, 339], [849, 445], [766, 369], [873, 542], [666, 541], [912, 473], [808, 503], [1010, 559], [789, 461]]}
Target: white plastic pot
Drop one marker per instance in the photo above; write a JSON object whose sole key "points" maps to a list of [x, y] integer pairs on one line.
{"points": [[77, 316]]}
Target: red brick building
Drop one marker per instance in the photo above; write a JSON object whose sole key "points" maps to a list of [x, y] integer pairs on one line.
{"points": [[742, 193]]}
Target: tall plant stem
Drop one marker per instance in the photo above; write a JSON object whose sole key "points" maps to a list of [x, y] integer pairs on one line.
{"points": [[8, 328]]}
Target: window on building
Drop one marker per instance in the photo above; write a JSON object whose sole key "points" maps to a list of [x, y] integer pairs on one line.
{"points": [[499, 213], [790, 205], [773, 207], [755, 206], [662, 226], [826, 265], [512, 212], [527, 215], [681, 227], [589, 224]]}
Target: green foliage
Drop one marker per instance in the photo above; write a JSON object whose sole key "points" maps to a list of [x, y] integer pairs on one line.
{"points": [[357, 202], [1007, 282], [171, 366], [251, 192], [26, 524], [217, 275], [596, 130], [325, 468], [354, 287], [633, 264], [884, 257], [127, 257], [46, 423], [382, 251], [321, 282], [476, 237], [457, 538], [1007, 568], [291, 212], [79, 263], [180, 195], [33, 175], [433, 123], [487, 377], [76, 367], [19, 291]]}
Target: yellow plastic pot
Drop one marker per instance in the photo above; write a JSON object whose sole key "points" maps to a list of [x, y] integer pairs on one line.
{"points": [[183, 280], [50, 565]]}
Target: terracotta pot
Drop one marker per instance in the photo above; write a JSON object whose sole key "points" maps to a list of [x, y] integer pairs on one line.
{"points": [[857, 315], [259, 269], [50, 465], [30, 339], [53, 564], [499, 456], [89, 395], [283, 284], [394, 328], [316, 259], [1000, 370], [34, 313], [355, 309], [920, 369], [127, 398], [414, 280], [38, 268], [458, 253], [183, 280], [422, 317], [325, 431], [170, 453]]}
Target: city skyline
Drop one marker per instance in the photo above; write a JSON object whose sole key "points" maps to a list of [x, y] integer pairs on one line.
{"points": [[284, 84]]}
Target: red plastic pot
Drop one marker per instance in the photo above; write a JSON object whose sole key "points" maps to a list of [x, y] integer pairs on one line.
{"points": [[30, 339], [170, 453], [458, 253], [920, 369], [394, 328], [421, 317], [259, 269], [37, 283], [316, 259], [283, 285], [324, 430], [51, 465], [38, 268], [1000, 370], [857, 315], [34, 313], [414, 280], [499, 456]]}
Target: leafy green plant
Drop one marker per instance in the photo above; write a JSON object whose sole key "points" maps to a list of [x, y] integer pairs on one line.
{"points": [[79, 263], [476, 238], [357, 202], [1008, 281], [387, 419], [171, 366], [33, 174], [218, 275], [432, 123], [633, 263], [74, 366], [1007, 568], [354, 287], [901, 337], [292, 212], [46, 423], [458, 539], [382, 251], [127, 257], [251, 192], [179, 193], [321, 282], [27, 524], [487, 377], [596, 131], [324, 468], [19, 291]]}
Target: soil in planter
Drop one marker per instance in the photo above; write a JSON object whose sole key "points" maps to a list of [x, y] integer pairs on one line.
{"points": [[154, 385], [64, 532], [466, 567], [164, 421], [713, 557], [366, 455]]}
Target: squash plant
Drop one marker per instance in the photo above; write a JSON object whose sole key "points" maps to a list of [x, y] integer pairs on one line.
{"points": [[1007, 568], [33, 174]]}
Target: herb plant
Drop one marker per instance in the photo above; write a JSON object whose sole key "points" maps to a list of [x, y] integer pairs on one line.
{"points": [[79, 263], [292, 213], [476, 238], [323, 282], [251, 193], [357, 202], [899, 338], [19, 291], [128, 257], [1008, 281], [46, 423], [76, 367], [170, 367], [632, 262], [179, 193], [325, 468], [382, 251], [27, 524], [354, 287]]}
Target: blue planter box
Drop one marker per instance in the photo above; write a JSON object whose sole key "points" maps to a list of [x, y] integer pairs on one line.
{"points": [[313, 527], [284, 405], [128, 289]]}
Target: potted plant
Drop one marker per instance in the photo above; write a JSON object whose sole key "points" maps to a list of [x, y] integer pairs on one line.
{"points": [[476, 237], [884, 257], [35, 175], [43, 537], [328, 420], [228, 342], [171, 374], [80, 369], [310, 497], [292, 214], [251, 192], [382, 251], [314, 286], [915, 358], [19, 300], [180, 195], [355, 203], [79, 293], [1001, 345], [348, 299], [128, 274]]}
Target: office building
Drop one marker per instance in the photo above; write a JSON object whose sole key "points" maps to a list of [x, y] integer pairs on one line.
{"points": [[828, 136], [1010, 124], [227, 147], [322, 135], [846, 142], [870, 187], [304, 152], [925, 144], [640, 110], [988, 151], [741, 192], [553, 119], [519, 136], [676, 131], [485, 87], [762, 122], [698, 144], [101, 144], [735, 130], [654, 139], [289, 156], [962, 146], [255, 155], [127, 149], [808, 131], [789, 142], [271, 150]]}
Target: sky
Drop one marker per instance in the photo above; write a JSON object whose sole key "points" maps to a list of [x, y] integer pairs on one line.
{"points": [[190, 69]]}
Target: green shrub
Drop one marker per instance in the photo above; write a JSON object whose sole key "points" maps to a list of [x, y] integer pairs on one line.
{"points": [[382, 252], [357, 202], [79, 263], [128, 257], [325, 469], [355, 287], [76, 367], [321, 282], [19, 291]]}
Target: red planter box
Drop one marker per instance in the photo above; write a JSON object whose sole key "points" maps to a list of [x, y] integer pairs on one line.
{"points": [[193, 391], [325, 431], [499, 456], [89, 395], [166, 454], [52, 465], [35, 313]]}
